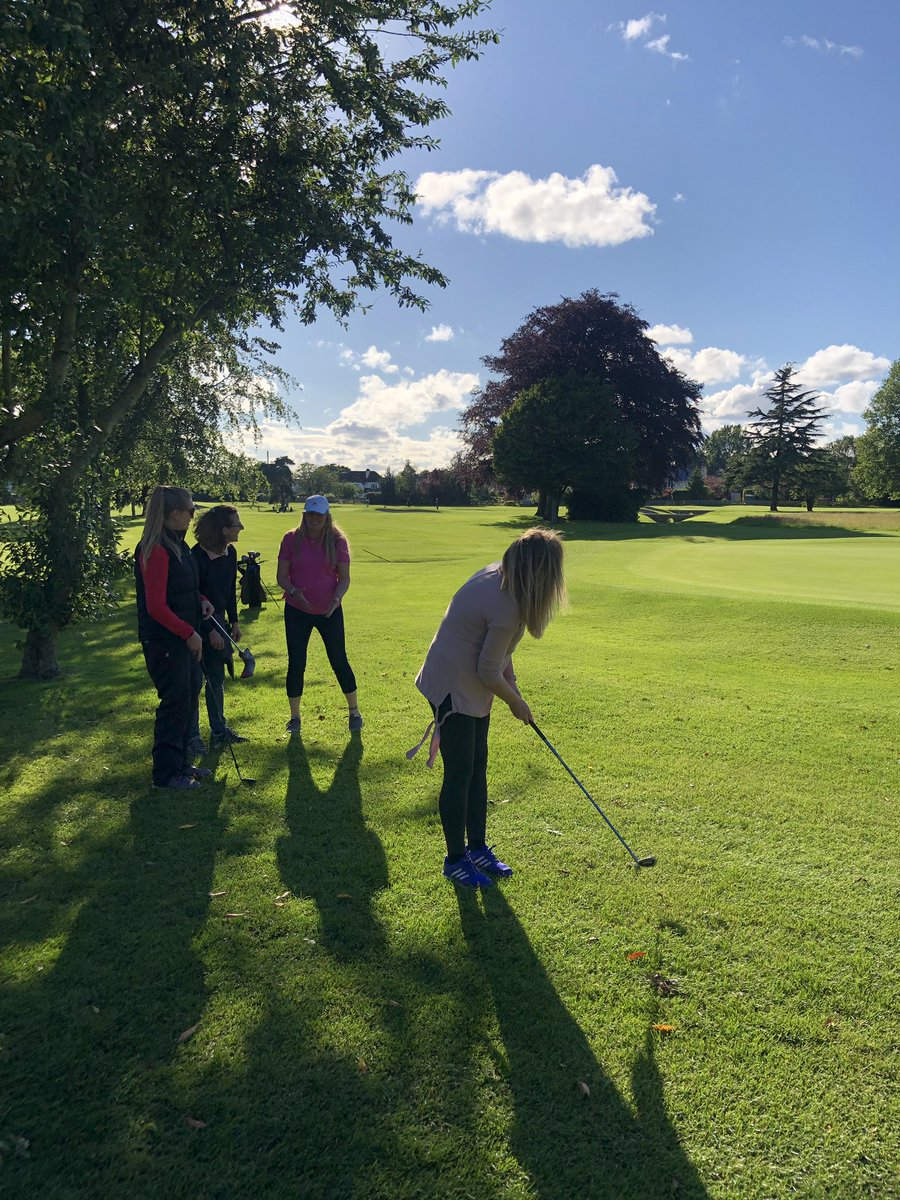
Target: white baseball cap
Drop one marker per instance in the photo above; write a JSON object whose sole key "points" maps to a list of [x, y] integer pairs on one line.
{"points": [[316, 504]]}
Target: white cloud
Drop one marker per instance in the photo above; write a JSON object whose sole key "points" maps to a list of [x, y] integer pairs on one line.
{"points": [[373, 358], [709, 365], [638, 27], [669, 335], [373, 430], [824, 46], [850, 397], [678, 197], [408, 402], [840, 364], [661, 46], [440, 333], [590, 211]]}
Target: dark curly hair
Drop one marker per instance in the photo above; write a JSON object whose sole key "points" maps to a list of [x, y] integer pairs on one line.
{"points": [[209, 528]]}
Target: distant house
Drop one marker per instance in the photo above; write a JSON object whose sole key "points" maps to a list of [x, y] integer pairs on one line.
{"points": [[366, 481]]}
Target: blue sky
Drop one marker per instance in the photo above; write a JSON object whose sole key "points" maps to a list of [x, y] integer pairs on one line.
{"points": [[729, 168]]}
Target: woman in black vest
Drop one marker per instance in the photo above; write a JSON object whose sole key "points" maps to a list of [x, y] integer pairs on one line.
{"points": [[170, 609]]}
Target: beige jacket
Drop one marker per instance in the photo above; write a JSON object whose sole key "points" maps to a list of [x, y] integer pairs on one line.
{"points": [[473, 645]]}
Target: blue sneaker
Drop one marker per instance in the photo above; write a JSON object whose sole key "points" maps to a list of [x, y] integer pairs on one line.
{"points": [[355, 722], [465, 874], [486, 860]]}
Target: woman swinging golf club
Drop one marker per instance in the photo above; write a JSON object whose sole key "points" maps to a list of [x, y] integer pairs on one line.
{"points": [[170, 609], [216, 532], [468, 663], [314, 570]]}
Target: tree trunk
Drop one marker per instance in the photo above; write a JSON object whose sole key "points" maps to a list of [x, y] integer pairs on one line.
{"points": [[776, 486], [541, 505], [39, 655], [552, 508]]}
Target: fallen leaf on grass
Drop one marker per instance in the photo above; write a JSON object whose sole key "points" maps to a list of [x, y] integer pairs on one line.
{"points": [[344, 896], [555, 832], [583, 1088], [283, 896], [361, 1064], [187, 1033], [312, 941], [393, 1004], [194, 1123], [231, 916], [193, 825], [28, 901], [214, 894], [636, 954], [664, 1029]]}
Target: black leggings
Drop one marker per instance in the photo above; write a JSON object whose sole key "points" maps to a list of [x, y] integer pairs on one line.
{"points": [[176, 674], [463, 800], [298, 627]]}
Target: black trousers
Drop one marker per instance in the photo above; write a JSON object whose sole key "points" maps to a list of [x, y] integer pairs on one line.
{"points": [[463, 799], [176, 675], [298, 627]]}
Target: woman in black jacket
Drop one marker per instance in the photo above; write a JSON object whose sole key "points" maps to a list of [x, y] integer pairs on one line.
{"points": [[216, 558], [170, 609]]}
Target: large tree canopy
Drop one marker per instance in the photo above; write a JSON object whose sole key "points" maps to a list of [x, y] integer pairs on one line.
{"points": [[877, 472], [565, 433], [596, 337], [175, 173]]}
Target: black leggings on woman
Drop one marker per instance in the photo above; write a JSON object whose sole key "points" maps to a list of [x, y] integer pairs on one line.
{"points": [[298, 627], [463, 800]]}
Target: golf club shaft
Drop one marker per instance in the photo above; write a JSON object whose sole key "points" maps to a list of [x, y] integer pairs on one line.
{"points": [[221, 629], [584, 789], [221, 715]]}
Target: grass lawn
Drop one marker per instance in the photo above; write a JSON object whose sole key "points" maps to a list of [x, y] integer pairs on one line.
{"points": [[272, 992]]}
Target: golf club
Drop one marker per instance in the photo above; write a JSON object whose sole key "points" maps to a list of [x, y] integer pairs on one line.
{"points": [[269, 592], [243, 653], [650, 860], [247, 782]]}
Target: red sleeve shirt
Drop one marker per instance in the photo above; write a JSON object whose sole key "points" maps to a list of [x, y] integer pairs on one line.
{"points": [[156, 577]]}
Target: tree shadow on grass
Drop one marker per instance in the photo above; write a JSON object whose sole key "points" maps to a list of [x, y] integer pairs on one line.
{"points": [[91, 1032], [568, 1143], [744, 529]]}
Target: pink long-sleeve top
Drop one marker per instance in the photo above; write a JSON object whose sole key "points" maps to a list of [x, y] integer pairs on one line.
{"points": [[473, 645]]}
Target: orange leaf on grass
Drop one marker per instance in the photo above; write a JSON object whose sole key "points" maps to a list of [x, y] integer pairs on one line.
{"points": [[663, 1028], [637, 954]]}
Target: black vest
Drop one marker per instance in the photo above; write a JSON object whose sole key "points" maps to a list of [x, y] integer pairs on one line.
{"points": [[182, 594]]}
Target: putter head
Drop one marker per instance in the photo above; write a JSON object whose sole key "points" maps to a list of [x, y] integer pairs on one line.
{"points": [[249, 663], [649, 861]]}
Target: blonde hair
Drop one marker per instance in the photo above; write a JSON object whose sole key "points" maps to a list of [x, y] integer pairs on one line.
{"points": [[332, 532], [164, 500], [533, 576]]}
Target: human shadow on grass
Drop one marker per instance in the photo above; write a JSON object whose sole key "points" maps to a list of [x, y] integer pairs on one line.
{"points": [[569, 1144], [92, 1036], [330, 854]]}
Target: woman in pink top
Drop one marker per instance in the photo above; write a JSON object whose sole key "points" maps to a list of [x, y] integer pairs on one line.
{"points": [[314, 570], [468, 663]]}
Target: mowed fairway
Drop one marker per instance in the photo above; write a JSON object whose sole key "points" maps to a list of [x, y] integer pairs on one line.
{"points": [[272, 992]]}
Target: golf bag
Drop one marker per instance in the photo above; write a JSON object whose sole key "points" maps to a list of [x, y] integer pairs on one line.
{"points": [[252, 594]]}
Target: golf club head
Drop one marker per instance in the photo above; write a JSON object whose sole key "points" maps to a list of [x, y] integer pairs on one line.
{"points": [[649, 861], [249, 663]]}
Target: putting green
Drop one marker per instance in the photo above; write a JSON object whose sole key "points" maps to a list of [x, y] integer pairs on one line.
{"points": [[854, 571]]}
